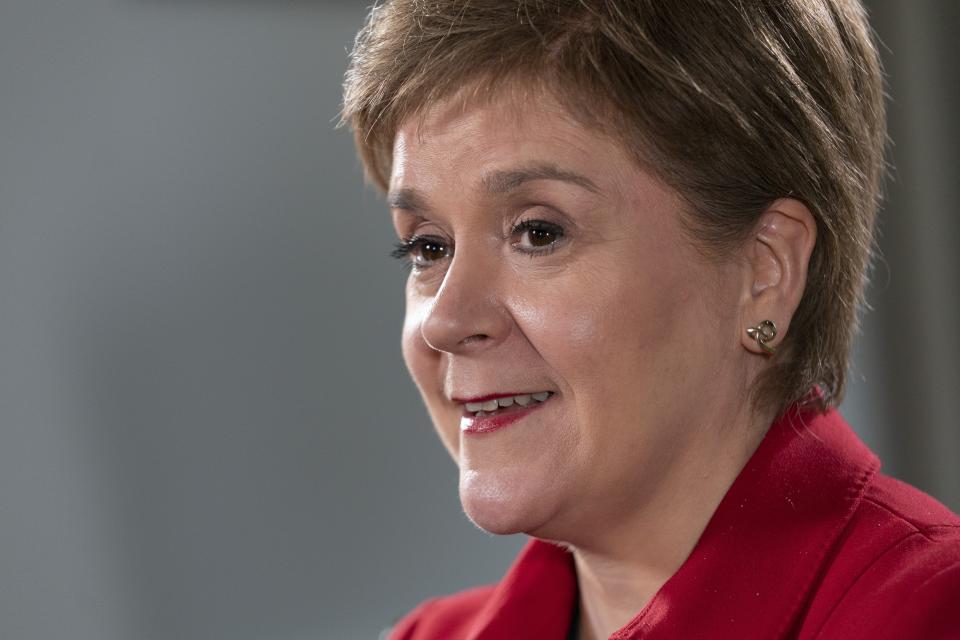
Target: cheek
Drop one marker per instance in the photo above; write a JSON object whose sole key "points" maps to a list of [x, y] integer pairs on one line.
{"points": [[563, 317], [589, 318], [425, 367], [416, 354], [412, 343], [611, 328]]}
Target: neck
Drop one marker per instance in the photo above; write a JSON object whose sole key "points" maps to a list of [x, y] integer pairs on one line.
{"points": [[621, 569]]}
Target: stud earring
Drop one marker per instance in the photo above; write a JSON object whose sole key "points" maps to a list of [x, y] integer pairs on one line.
{"points": [[763, 333]]}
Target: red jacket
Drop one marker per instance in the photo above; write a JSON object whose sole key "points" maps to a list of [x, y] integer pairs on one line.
{"points": [[809, 542]]}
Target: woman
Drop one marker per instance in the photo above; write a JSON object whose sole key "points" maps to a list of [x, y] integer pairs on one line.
{"points": [[638, 234]]}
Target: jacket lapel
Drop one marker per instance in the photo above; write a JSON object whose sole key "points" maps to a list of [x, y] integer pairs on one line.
{"points": [[755, 564]]}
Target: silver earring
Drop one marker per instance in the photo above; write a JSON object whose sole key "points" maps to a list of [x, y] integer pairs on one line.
{"points": [[764, 333]]}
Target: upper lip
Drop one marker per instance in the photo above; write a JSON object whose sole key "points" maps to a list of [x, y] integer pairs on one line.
{"points": [[493, 396]]}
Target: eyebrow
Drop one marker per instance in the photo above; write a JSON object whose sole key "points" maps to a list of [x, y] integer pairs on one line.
{"points": [[505, 181], [407, 199]]}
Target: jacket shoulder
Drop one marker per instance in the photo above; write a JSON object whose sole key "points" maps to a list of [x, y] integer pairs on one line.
{"points": [[450, 617], [895, 573], [909, 504]]}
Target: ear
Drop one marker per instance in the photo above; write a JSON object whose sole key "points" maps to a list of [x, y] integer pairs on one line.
{"points": [[777, 256]]}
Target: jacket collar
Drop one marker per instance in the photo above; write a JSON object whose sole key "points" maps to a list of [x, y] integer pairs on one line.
{"points": [[754, 564]]}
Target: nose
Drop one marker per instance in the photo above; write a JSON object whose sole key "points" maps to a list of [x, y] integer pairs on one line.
{"points": [[467, 312]]}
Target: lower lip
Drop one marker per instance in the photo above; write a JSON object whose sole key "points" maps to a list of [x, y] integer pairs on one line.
{"points": [[486, 424]]}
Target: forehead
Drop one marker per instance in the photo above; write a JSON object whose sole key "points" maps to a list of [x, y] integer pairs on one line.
{"points": [[495, 133]]}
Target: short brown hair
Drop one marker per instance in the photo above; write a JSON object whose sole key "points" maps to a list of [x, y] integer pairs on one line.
{"points": [[733, 103]]}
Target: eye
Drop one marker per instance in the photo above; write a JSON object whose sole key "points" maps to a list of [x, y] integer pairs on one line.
{"points": [[541, 236], [420, 251]]}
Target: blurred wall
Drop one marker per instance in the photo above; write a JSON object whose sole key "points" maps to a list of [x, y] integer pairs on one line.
{"points": [[206, 428], [911, 344]]}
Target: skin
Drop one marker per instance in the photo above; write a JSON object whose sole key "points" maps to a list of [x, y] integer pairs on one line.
{"points": [[642, 340]]}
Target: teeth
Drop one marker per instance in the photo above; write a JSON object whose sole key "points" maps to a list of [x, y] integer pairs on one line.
{"points": [[483, 408]]}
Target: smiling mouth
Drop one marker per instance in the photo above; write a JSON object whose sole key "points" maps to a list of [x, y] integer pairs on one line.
{"points": [[506, 405], [483, 422]]}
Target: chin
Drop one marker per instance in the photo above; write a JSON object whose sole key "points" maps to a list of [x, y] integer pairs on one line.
{"points": [[501, 511], [494, 523]]}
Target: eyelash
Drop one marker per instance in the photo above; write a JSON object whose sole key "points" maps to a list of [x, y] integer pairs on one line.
{"points": [[408, 246]]}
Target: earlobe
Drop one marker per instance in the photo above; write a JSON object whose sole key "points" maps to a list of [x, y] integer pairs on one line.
{"points": [[778, 257]]}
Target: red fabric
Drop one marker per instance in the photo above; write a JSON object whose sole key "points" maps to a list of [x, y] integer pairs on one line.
{"points": [[809, 542]]}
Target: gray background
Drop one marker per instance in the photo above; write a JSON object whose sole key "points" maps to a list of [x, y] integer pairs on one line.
{"points": [[207, 429]]}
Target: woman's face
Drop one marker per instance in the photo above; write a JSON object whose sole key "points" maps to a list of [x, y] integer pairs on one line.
{"points": [[553, 263]]}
